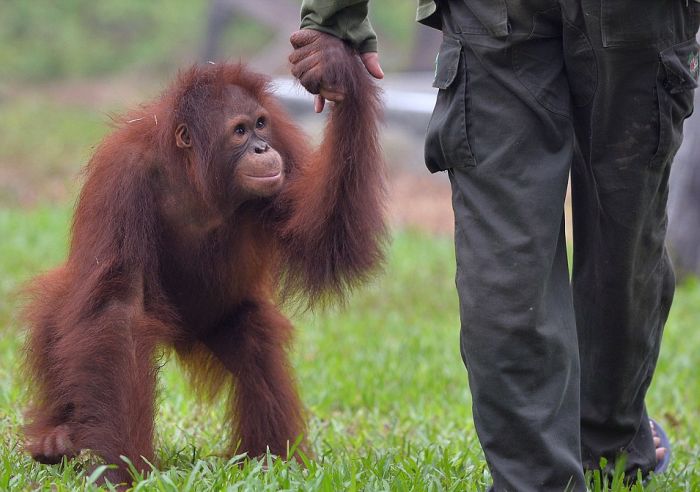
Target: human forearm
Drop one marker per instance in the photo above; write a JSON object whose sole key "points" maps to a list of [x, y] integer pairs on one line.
{"points": [[345, 19]]}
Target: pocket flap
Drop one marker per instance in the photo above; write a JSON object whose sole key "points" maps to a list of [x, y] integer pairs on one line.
{"points": [[682, 64], [447, 63]]}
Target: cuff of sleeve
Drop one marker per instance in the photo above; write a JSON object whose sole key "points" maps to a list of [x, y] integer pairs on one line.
{"points": [[371, 46], [364, 43]]}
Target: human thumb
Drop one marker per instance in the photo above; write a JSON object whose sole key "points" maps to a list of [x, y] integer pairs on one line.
{"points": [[371, 62]]}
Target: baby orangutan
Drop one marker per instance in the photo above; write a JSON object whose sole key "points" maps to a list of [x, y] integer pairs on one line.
{"points": [[197, 211]]}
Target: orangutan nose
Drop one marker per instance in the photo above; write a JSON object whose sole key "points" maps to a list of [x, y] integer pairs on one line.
{"points": [[261, 147]]}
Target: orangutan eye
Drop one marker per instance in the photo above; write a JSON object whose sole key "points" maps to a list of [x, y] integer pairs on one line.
{"points": [[239, 130], [260, 123]]}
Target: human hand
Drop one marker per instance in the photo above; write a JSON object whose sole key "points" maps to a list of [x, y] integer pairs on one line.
{"points": [[317, 62]]}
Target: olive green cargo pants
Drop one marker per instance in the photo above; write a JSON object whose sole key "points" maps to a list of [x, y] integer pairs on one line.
{"points": [[531, 91]]}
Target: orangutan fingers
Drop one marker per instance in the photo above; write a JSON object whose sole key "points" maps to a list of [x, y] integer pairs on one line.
{"points": [[303, 37], [302, 53], [309, 64], [311, 80]]}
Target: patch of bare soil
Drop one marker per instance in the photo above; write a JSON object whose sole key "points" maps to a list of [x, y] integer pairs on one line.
{"points": [[119, 91], [420, 202], [424, 203]]}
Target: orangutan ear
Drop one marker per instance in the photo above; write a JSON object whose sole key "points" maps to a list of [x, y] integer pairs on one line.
{"points": [[182, 136]]}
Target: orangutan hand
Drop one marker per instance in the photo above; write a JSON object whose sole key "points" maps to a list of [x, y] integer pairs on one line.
{"points": [[316, 62]]}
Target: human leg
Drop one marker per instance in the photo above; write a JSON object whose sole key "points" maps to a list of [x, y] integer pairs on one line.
{"points": [[628, 130], [502, 127]]}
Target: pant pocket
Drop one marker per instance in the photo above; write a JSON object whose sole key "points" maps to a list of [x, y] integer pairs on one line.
{"points": [[694, 7], [635, 22], [447, 144], [492, 16], [693, 16], [678, 77]]}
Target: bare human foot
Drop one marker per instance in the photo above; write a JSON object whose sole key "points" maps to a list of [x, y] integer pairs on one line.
{"points": [[660, 450]]}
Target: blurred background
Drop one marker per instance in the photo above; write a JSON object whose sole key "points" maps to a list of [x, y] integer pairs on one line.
{"points": [[66, 65]]}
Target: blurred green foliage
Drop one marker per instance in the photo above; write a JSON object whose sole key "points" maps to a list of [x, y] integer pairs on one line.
{"points": [[395, 25], [46, 39], [43, 39]]}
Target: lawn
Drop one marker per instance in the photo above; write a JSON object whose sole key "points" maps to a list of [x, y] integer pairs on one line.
{"points": [[382, 380]]}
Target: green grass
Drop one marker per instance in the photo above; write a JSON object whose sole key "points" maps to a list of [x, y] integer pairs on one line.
{"points": [[382, 380], [44, 145]]}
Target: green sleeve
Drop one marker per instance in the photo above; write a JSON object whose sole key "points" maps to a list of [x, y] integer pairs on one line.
{"points": [[345, 19]]}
